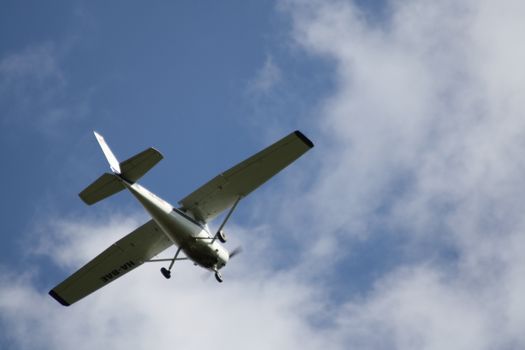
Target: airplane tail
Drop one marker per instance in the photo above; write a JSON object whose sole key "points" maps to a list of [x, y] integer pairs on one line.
{"points": [[129, 170]]}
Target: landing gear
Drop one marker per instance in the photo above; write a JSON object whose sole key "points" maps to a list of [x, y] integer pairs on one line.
{"points": [[221, 235], [218, 276], [165, 272]]}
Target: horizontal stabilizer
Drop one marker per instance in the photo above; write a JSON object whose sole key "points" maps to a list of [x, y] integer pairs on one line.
{"points": [[103, 187], [129, 170], [138, 165]]}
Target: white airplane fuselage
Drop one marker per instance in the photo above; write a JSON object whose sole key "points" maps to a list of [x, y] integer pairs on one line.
{"points": [[192, 237]]}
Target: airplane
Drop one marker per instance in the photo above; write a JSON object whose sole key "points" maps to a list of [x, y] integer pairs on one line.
{"points": [[185, 226]]}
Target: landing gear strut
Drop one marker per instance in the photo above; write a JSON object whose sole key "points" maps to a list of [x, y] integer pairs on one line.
{"points": [[167, 272]]}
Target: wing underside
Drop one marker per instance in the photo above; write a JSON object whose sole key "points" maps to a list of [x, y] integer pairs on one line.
{"points": [[120, 258], [222, 192]]}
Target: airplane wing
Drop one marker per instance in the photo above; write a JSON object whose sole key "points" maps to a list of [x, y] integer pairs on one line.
{"points": [[222, 192], [122, 257]]}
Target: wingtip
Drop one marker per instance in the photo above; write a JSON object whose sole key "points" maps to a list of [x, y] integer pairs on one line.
{"points": [[58, 298], [303, 138]]}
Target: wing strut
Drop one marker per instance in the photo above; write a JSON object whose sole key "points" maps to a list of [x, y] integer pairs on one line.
{"points": [[220, 233]]}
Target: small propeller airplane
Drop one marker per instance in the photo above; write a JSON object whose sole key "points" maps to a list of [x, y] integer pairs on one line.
{"points": [[185, 227]]}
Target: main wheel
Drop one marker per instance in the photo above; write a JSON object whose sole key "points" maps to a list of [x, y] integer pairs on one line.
{"points": [[218, 277], [222, 236], [165, 272]]}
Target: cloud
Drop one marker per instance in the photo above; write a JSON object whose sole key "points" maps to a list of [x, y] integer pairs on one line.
{"points": [[70, 243], [34, 90], [426, 141], [266, 78], [143, 309], [419, 308]]}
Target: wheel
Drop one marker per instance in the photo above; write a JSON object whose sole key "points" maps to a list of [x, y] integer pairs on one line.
{"points": [[165, 272], [222, 236], [218, 277]]}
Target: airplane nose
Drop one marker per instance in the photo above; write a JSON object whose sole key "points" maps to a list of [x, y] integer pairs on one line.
{"points": [[222, 256], [226, 256]]}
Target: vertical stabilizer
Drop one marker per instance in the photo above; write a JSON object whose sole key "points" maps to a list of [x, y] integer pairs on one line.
{"points": [[112, 160]]}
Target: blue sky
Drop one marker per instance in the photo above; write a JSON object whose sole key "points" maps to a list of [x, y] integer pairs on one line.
{"points": [[401, 229]]}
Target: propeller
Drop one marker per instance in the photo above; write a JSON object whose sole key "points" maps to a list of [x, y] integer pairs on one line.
{"points": [[233, 253], [206, 275], [236, 251]]}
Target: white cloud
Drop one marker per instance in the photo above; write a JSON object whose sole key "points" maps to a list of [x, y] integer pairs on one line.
{"points": [[143, 310], [418, 309], [428, 128], [34, 90], [266, 78], [71, 243]]}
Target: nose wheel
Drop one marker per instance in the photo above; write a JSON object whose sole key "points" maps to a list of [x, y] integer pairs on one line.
{"points": [[218, 276]]}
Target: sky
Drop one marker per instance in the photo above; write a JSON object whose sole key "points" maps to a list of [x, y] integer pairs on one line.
{"points": [[402, 229]]}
